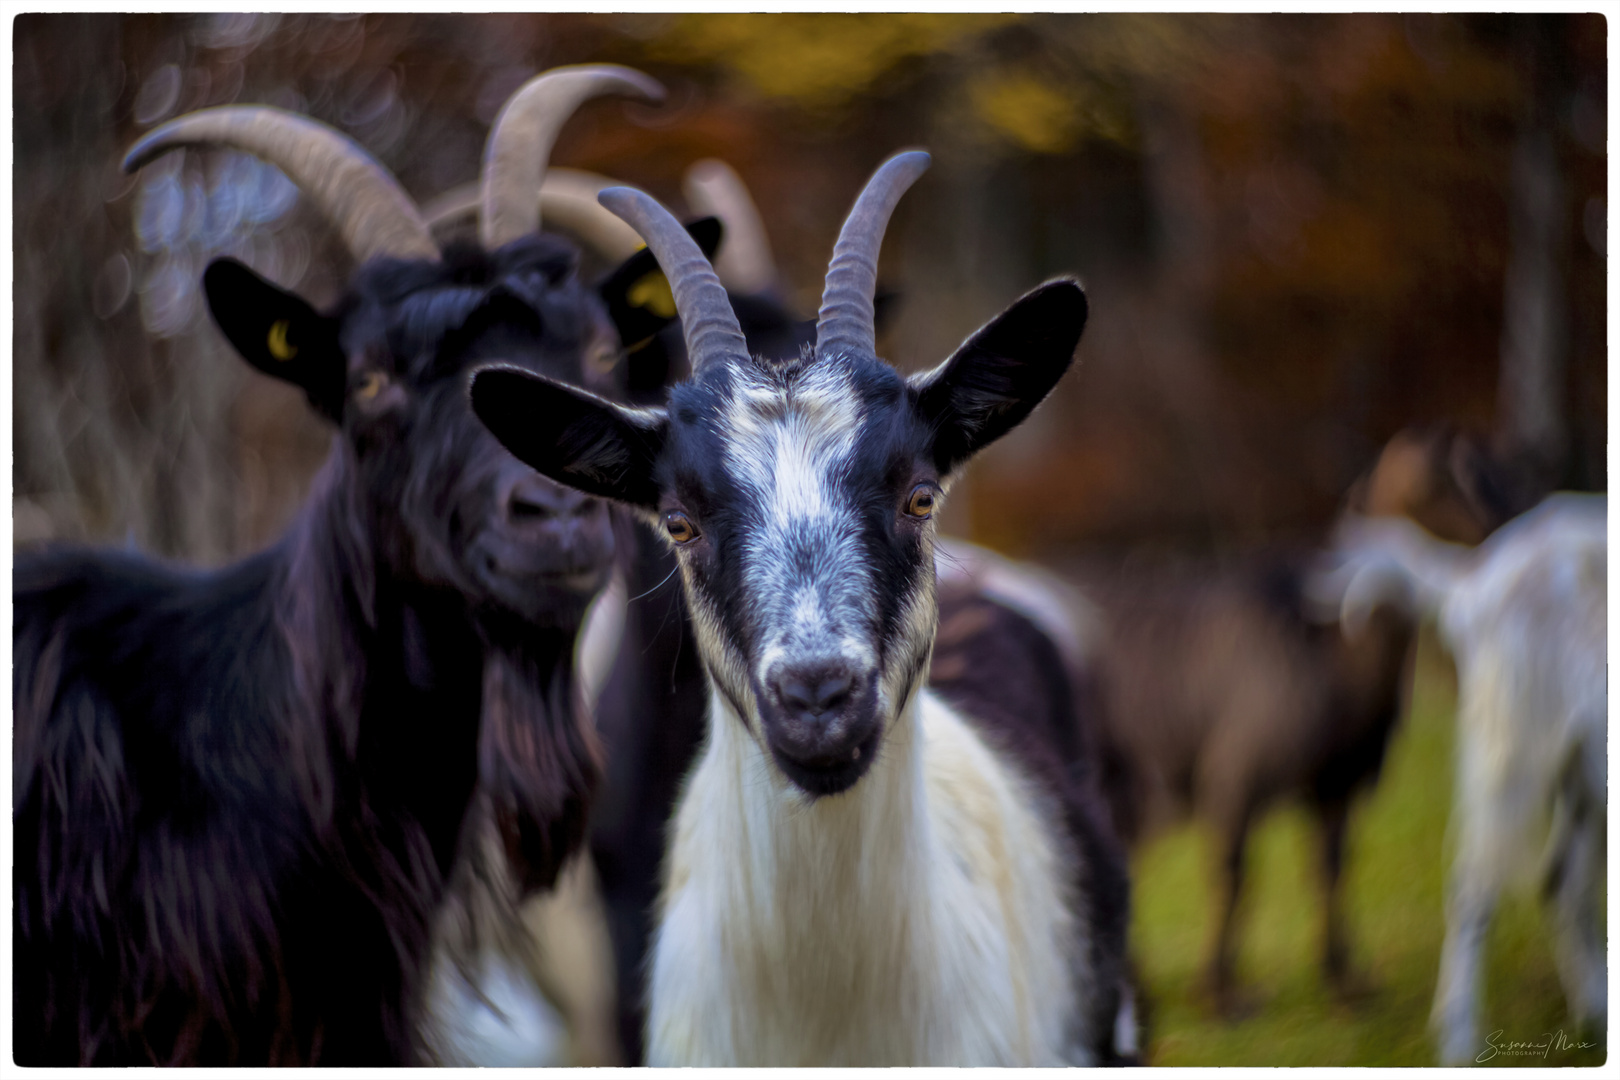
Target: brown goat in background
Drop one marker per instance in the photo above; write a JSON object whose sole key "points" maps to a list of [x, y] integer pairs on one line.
{"points": [[1226, 691]]}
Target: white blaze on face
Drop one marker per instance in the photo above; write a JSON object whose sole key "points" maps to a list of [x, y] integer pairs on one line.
{"points": [[807, 583]]}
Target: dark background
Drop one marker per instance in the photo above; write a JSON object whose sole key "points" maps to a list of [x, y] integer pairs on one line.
{"points": [[1298, 233]]}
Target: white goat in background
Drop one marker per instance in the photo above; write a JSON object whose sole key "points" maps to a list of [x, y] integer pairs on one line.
{"points": [[1524, 616]]}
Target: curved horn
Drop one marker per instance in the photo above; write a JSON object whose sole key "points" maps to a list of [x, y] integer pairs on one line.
{"points": [[845, 321], [745, 265], [358, 195], [710, 326], [567, 198], [519, 145]]}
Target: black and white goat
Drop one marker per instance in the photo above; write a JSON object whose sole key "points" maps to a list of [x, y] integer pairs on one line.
{"points": [[1525, 618], [858, 873]]}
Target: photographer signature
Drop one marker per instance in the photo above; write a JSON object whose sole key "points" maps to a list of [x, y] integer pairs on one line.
{"points": [[1552, 1040]]}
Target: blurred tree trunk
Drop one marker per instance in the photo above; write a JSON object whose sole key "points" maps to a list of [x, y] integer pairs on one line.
{"points": [[120, 435], [71, 464], [1215, 461], [1532, 412]]}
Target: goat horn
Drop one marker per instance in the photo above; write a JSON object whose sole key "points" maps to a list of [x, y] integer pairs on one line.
{"points": [[567, 198], [358, 195], [845, 323], [519, 144], [710, 326], [745, 265]]}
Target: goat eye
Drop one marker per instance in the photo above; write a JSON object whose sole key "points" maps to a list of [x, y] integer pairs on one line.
{"points": [[276, 341], [921, 503], [371, 386], [680, 527], [602, 355]]}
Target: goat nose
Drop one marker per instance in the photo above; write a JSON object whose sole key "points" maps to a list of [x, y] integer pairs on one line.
{"points": [[815, 690], [533, 499]]}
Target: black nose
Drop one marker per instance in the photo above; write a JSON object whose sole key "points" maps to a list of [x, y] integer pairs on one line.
{"points": [[815, 689], [534, 500]]}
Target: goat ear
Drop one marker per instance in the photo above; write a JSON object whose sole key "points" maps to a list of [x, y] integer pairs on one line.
{"points": [[278, 332], [637, 294], [998, 375], [885, 309], [1483, 482], [571, 435]]}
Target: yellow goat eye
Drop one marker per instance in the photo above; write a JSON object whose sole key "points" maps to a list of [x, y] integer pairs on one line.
{"points": [[680, 527], [371, 386], [277, 342], [921, 503]]}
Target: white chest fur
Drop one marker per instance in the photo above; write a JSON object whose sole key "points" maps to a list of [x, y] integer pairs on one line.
{"points": [[918, 919]]}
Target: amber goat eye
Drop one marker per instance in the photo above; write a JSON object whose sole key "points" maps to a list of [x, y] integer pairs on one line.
{"points": [[680, 527], [921, 503], [371, 385]]}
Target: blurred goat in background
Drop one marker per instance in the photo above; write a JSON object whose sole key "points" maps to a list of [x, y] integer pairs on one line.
{"points": [[1226, 689], [1525, 616]]}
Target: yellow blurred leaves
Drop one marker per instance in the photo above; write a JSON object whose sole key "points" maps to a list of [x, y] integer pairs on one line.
{"points": [[816, 60], [1042, 115], [1029, 111]]}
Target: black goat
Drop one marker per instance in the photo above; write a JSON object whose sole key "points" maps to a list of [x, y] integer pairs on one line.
{"points": [[238, 794]]}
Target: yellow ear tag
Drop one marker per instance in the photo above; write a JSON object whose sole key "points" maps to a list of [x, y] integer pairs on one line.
{"points": [[652, 292], [277, 341]]}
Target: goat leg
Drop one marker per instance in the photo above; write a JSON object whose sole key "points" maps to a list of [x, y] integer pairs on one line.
{"points": [[1572, 898], [1470, 903], [1221, 975], [1332, 819]]}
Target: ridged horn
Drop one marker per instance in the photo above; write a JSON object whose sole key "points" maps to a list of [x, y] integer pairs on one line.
{"points": [[744, 264], [567, 198], [519, 144], [707, 321], [358, 196], [845, 323]]}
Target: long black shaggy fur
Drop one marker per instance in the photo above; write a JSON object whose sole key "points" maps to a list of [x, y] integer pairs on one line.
{"points": [[239, 794], [651, 717]]}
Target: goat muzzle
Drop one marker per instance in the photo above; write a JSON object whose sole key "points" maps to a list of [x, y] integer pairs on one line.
{"points": [[821, 723]]}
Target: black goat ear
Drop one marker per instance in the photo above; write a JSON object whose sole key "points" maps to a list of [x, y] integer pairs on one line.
{"points": [[637, 294], [278, 332], [1000, 373], [885, 308], [571, 435]]}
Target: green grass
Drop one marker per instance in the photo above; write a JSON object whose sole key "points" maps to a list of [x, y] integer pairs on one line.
{"points": [[1394, 889]]}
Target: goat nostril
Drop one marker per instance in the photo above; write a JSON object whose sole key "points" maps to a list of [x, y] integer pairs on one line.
{"points": [[817, 693], [523, 510], [794, 694], [831, 691]]}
